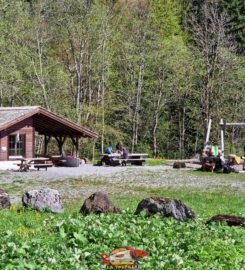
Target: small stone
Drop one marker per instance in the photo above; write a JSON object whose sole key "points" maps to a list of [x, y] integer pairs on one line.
{"points": [[4, 199], [166, 208], [98, 203], [45, 198]]}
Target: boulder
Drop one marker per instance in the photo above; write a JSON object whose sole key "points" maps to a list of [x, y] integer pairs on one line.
{"points": [[4, 199], [230, 220], [166, 208], [45, 198], [179, 165], [98, 202]]}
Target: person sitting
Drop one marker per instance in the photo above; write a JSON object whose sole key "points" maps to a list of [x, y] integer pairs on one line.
{"points": [[119, 148], [208, 160], [125, 153], [105, 160], [109, 149]]}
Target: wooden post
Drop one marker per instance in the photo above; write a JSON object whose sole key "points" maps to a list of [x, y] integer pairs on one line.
{"points": [[208, 134], [46, 142], [76, 144], [222, 127], [61, 140]]}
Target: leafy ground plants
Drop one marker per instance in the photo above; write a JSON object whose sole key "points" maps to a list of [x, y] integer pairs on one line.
{"points": [[71, 241], [33, 240]]}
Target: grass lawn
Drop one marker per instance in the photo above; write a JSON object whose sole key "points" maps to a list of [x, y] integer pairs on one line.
{"points": [[156, 162], [33, 240]]}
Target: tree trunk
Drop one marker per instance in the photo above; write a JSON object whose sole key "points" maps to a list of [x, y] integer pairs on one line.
{"points": [[183, 134], [155, 126], [138, 103], [40, 75], [103, 85]]}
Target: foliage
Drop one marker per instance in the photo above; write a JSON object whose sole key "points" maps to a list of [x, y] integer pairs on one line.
{"points": [[45, 241], [140, 72], [235, 9], [34, 240]]}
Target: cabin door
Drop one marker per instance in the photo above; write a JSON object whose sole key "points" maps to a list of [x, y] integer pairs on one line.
{"points": [[17, 146]]}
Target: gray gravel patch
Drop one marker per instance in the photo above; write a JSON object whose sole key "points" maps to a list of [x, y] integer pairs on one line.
{"points": [[84, 180]]}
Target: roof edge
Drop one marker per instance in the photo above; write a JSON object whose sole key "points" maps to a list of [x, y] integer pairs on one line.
{"points": [[19, 108], [41, 110]]}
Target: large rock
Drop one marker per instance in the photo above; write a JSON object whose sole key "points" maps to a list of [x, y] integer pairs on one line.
{"points": [[230, 220], [4, 199], [166, 208], [98, 203], [179, 165], [45, 198]]}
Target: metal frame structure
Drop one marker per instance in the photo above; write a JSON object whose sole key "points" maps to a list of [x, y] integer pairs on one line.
{"points": [[222, 129]]}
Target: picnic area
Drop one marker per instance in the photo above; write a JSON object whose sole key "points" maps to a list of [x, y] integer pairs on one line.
{"points": [[122, 135], [207, 193], [43, 192]]}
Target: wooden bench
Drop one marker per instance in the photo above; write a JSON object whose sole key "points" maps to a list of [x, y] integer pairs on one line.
{"points": [[23, 167], [42, 166], [133, 161]]}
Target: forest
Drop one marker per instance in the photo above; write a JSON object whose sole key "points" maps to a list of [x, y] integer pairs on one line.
{"points": [[146, 72]]}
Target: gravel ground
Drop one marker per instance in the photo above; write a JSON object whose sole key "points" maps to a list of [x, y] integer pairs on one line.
{"points": [[61, 173], [84, 180]]}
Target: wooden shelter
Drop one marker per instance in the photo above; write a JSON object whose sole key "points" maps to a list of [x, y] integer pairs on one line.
{"points": [[19, 124]]}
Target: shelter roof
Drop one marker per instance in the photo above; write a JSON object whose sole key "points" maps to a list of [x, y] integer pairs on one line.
{"points": [[44, 121]]}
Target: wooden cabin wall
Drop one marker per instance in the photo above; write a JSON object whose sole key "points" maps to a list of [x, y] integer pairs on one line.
{"points": [[24, 127]]}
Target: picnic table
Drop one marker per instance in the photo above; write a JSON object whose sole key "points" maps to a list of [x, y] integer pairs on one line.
{"points": [[25, 163], [111, 155], [115, 159], [112, 159], [135, 159]]}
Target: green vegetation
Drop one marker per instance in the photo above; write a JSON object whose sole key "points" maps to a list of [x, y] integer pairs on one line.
{"points": [[235, 9], [156, 162], [148, 73], [205, 204], [216, 175], [33, 240]]}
